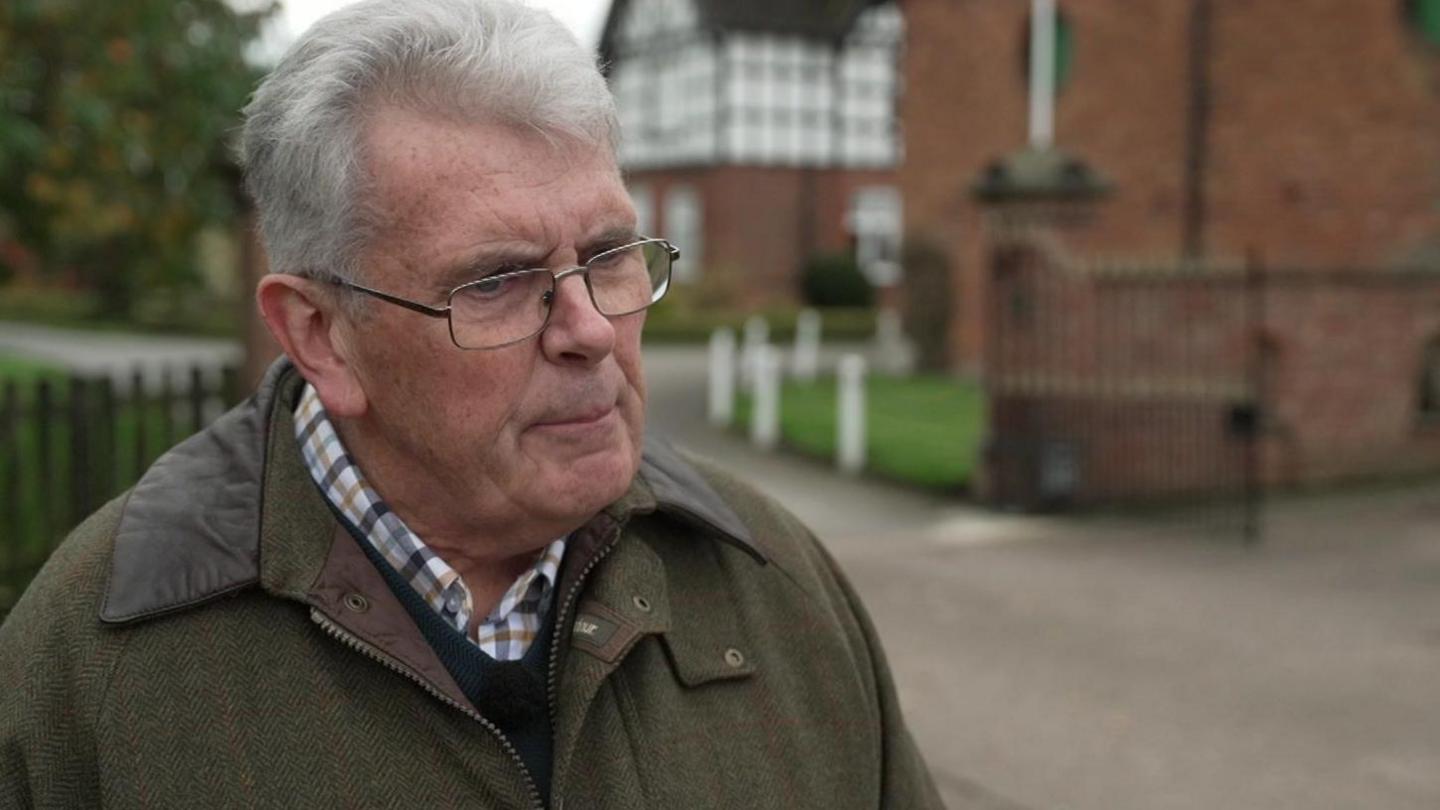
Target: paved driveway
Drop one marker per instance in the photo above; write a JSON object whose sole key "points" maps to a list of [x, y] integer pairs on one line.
{"points": [[115, 353], [1106, 663]]}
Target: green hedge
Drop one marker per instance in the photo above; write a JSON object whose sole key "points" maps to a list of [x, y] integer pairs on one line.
{"points": [[835, 280], [164, 312], [665, 324]]}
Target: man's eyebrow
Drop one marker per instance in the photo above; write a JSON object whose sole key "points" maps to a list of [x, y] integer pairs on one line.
{"points": [[609, 238], [488, 261]]}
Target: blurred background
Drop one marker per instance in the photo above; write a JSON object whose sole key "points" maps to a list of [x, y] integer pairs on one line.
{"points": [[1100, 340]]}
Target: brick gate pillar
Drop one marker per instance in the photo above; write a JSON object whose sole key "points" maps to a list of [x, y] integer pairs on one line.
{"points": [[1034, 199]]}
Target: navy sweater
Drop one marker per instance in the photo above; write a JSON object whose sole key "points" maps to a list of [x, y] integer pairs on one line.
{"points": [[510, 694]]}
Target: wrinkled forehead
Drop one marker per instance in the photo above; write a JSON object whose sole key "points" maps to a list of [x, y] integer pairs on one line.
{"points": [[401, 146], [445, 187]]}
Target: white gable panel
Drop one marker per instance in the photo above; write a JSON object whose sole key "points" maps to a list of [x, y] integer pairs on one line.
{"points": [[666, 98], [647, 19], [759, 98]]}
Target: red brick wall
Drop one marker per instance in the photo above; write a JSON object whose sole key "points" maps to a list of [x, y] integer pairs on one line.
{"points": [[1137, 372], [1345, 375], [1325, 132], [761, 223], [1322, 137]]}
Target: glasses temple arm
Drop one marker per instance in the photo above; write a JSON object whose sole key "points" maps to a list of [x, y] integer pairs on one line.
{"points": [[433, 312]]}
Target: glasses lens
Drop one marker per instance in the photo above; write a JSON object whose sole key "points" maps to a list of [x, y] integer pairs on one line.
{"points": [[500, 309], [630, 278]]}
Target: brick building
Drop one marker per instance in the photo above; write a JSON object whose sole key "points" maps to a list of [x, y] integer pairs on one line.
{"points": [[759, 134], [1307, 130]]}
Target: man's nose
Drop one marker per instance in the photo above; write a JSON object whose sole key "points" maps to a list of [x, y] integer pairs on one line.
{"points": [[577, 332]]}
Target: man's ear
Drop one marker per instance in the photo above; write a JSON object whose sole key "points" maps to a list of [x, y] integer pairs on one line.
{"points": [[308, 329]]}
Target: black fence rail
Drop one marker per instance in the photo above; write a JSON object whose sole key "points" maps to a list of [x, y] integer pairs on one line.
{"points": [[70, 444]]}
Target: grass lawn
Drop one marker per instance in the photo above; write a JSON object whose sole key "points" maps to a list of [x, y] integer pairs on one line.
{"points": [[921, 430], [26, 371]]}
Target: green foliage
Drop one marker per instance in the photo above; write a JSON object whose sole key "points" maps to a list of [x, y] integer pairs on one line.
{"points": [[1425, 16], [113, 125], [665, 323], [167, 310], [690, 312], [53, 306], [923, 430], [929, 303], [835, 280]]}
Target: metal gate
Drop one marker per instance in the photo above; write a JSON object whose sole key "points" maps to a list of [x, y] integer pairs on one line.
{"points": [[1122, 384]]}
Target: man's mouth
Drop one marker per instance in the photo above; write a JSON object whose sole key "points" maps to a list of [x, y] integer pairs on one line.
{"points": [[588, 416]]}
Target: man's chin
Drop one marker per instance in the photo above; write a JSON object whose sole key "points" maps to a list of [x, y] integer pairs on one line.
{"points": [[589, 483]]}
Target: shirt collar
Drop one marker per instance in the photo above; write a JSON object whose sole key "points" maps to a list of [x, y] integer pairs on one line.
{"points": [[506, 632]]}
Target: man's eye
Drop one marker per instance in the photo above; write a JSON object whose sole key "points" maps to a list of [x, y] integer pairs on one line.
{"points": [[612, 256], [487, 288]]}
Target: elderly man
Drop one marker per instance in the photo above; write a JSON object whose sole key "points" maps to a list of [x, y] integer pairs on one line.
{"points": [[433, 562]]}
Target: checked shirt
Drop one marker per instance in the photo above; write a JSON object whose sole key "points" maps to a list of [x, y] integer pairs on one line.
{"points": [[507, 632]]}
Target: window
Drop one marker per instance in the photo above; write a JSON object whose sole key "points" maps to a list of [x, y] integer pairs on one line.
{"points": [[875, 222], [1064, 49], [646, 20], [684, 227], [1424, 17]]}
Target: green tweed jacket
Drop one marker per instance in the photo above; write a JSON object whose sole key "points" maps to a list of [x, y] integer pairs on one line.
{"points": [[213, 638]]}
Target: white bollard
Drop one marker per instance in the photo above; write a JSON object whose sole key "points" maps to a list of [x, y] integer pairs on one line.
{"points": [[765, 401], [757, 334], [805, 362], [850, 419], [722, 377]]}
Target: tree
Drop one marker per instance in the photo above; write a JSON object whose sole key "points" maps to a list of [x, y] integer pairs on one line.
{"points": [[114, 120]]}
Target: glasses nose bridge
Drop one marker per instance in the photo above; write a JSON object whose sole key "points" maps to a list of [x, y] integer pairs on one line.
{"points": [[570, 271], [584, 272]]}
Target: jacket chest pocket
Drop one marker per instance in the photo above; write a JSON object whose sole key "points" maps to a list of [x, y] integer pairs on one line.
{"points": [[706, 727]]}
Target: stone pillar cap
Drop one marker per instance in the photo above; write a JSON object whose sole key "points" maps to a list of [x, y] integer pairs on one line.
{"points": [[1044, 174]]}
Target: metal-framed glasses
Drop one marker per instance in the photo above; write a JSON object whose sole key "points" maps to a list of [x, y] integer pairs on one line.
{"points": [[509, 307]]}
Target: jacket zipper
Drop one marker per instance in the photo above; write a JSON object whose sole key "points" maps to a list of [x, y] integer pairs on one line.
{"points": [[565, 603], [564, 606], [369, 651], [555, 640]]}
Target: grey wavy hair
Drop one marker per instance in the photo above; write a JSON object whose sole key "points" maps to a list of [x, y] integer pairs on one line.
{"points": [[494, 60]]}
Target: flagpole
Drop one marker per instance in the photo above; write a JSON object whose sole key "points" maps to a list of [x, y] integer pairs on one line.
{"points": [[1042, 73]]}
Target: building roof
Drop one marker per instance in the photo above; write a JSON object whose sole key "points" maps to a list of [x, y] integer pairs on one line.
{"points": [[826, 20]]}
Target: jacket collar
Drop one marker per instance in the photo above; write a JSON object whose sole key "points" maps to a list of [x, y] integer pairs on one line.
{"points": [[189, 531]]}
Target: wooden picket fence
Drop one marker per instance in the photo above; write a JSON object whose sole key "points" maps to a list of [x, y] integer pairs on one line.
{"points": [[69, 445]]}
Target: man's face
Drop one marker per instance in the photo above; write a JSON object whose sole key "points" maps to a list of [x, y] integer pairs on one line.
{"points": [[543, 431]]}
